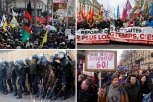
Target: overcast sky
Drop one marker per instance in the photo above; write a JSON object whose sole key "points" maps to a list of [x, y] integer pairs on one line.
{"points": [[119, 53], [113, 4]]}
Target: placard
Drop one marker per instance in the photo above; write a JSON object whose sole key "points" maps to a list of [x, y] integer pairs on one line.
{"points": [[86, 72], [141, 35], [92, 36], [100, 60]]}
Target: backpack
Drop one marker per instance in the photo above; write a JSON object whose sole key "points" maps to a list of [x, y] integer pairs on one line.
{"points": [[147, 98]]}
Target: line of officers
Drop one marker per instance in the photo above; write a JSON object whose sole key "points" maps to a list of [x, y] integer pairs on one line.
{"points": [[45, 79]]}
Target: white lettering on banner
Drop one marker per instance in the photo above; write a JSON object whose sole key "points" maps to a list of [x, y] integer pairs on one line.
{"points": [[92, 37], [101, 60], [128, 30], [86, 72], [132, 34], [60, 1], [93, 31], [142, 35], [71, 37]]}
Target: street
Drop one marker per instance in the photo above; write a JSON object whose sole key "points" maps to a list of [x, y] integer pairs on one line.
{"points": [[11, 98], [114, 45]]}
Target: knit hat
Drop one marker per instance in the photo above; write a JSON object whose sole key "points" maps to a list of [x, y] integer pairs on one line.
{"points": [[114, 76]]}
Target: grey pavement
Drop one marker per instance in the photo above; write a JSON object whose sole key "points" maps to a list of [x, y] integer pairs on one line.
{"points": [[114, 46], [30, 98]]}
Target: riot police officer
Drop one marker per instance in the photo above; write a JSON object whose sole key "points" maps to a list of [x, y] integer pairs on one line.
{"points": [[28, 63], [4, 77], [62, 59], [35, 69], [9, 73], [14, 77], [22, 78], [1, 81]]}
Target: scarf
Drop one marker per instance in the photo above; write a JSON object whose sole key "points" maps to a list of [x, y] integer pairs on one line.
{"points": [[113, 94]]}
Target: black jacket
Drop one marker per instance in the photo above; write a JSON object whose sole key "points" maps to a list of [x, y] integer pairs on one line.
{"points": [[150, 81], [118, 23], [134, 92], [87, 96]]}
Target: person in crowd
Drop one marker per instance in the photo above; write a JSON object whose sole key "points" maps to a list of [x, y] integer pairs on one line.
{"points": [[143, 22], [118, 23], [105, 80], [113, 93], [108, 22], [143, 85], [131, 22], [87, 94], [133, 89], [80, 80], [149, 22], [137, 22], [11, 38]]}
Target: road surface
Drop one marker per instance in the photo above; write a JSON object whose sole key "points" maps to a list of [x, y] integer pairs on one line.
{"points": [[114, 45], [30, 98]]}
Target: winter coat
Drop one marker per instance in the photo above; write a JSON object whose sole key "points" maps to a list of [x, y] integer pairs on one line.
{"points": [[87, 96], [133, 91], [104, 98]]}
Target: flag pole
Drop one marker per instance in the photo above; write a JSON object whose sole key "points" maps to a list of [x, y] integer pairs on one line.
{"points": [[25, 4], [47, 11], [35, 12], [52, 13], [67, 16]]}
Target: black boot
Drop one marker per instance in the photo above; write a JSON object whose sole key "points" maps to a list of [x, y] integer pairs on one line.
{"points": [[15, 94], [19, 97], [5, 93], [64, 97]]}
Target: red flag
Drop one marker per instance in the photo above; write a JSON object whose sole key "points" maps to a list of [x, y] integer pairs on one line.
{"points": [[124, 14], [83, 11], [28, 29], [91, 14], [28, 16]]}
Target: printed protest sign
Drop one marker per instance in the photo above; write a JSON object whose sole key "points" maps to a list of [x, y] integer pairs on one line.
{"points": [[141, 35], [100, 60], [92, 36]]}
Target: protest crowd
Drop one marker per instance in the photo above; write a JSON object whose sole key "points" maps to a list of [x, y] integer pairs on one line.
{"points": [[11, 38], [38, 76], [118, 86], [118, 23], [20, 30], [139, 15]]}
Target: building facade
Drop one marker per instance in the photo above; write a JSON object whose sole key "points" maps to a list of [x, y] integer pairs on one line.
{"points": [[23, 54], [6, 5], [137, 59], [94, 4]]}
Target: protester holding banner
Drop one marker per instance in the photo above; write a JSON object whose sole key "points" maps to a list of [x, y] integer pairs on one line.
{"points": [[143, 85], [149, 22], [114, 92], [87, 94], [118, 23], [133, 89], [137, 22]]}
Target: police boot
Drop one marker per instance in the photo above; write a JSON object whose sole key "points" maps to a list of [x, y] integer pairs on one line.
{"points": [[54, 98], [5, 93], [64, 97], [15, 94], [19, 97], [27, 93]]}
